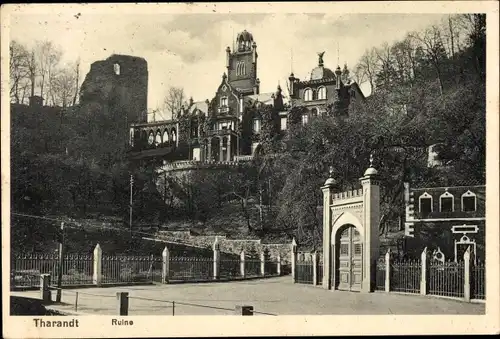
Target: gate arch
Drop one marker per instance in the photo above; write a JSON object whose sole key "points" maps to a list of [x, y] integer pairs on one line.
{"points": [[350, 234]]}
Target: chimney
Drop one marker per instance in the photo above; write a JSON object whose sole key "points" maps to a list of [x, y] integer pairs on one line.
{"points": [[228, 56], [338, 74], [36, 101], [291, 80]]}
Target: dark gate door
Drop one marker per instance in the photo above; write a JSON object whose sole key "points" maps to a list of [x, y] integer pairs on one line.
{"points": [[350, 270]]}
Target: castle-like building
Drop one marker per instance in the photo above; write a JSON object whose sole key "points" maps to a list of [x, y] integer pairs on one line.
{"points": [[228, 127]]}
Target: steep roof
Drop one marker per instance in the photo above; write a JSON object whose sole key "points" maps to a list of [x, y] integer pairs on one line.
{"points": [[199, 105]]}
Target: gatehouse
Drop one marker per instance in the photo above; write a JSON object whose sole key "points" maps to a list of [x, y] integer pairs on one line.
{"points": [[350, 234]]}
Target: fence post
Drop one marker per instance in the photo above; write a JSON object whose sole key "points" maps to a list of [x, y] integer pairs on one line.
{"points": [[216, 250], [262, 263], [315, 267], [243, 310], [97, 265], [467, 274], [122, 303], [294, 259], [242, 263], [45, 293], [165, 267], [388, 271], [423, 275], [278, 265]]}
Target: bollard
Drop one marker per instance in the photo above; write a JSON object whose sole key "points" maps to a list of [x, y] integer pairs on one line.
{"points": [[424, 274], [76, 302], [165, 268], [122, 303], [278, 265], [467, 275], [45, 293], [294, 259], [243, 310]]}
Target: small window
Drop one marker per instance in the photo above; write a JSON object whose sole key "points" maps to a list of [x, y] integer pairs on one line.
{"points": [[305, 119], [256, 125], [308, 94], [469, 202], [446, 202], [116, 68], [223, 102], [314, 112], [283, 124], [425, 203], [322, 93]]}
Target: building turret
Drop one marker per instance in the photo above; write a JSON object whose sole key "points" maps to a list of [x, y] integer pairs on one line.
{"points": [[228, 56], [338, 74]]}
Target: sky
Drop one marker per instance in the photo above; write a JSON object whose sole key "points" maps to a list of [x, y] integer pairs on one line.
{"points": [[188, 50]]}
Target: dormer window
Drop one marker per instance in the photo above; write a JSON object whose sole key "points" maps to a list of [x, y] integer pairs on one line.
{"points": [[322, 93], [223, 102], [469, 202], [425, 203], [256, 125], [446, 203], [116, 68], [308, 94]]}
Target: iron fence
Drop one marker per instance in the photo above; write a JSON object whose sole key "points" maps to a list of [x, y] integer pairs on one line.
{"points": [[405, 276], [478, 281], [191, 268], [446, 279], [26, 269], [252, 267], [271, 268], [229, 268], [304, 272], [380, 276], [126, 269]]}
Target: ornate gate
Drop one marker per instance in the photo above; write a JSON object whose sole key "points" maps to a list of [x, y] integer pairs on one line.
{"points": [[350, 267]]}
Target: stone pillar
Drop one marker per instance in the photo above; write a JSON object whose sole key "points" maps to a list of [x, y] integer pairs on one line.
{"points": [[424, 259], [262, 263], [242, 264], [221, 150], [327, 230], [97, 279], [216, 250], [228, 148], [467, 274], [209, 149], [371, 206], [388, 271], [165, 268], [294, 258], [45, 294], [278, 265], [315, 267]]}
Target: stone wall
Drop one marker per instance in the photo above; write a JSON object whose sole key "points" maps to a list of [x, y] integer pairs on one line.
{"points": [[231, 246]]}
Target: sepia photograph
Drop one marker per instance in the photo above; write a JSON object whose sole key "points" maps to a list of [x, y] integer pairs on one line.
{"points": [[211, 159]]}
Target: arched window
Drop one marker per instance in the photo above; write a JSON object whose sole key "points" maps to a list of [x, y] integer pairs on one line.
{"points": [[469, 202], [308, 94], [425, 203], [165, 136], [116, 68], [446, 203], [256, 125], [322, 93], [240, 68], [305, 119], [223, 102], [174, 136], [158, 138], [151, 138]]}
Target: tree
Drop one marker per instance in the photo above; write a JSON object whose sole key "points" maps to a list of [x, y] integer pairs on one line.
{"points": [[19, 70], [367, 68], [174, 100], [47, 57]]}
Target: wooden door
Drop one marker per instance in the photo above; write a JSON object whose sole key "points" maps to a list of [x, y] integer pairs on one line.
{"points": [[350, 268]]}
